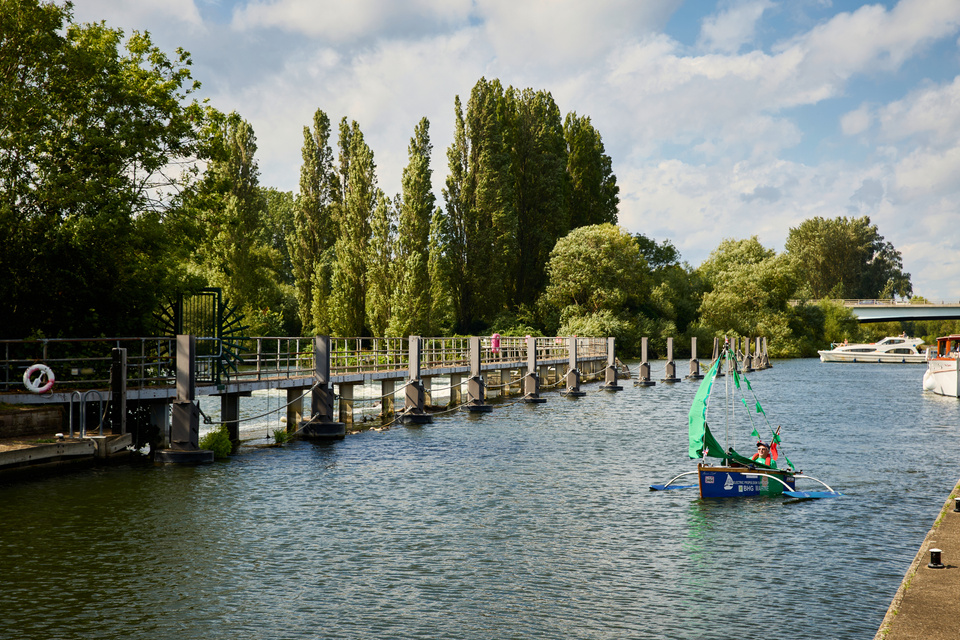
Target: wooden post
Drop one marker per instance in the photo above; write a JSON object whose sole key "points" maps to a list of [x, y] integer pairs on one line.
{"points": [[118, 389]]}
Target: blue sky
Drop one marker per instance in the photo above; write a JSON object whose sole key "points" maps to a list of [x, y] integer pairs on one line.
{"points": [[724, 119]]}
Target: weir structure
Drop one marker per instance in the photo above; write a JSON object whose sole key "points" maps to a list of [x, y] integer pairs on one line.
{"points": [[164, 376]]}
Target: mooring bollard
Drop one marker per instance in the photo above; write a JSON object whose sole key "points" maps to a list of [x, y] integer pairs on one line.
{"points": [[935, 562]]}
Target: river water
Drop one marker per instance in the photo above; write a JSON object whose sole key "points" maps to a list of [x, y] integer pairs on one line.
{"points": [[529, 522]]}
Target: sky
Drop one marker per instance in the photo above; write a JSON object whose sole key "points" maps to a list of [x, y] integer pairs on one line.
{"points": [[723, 119]]}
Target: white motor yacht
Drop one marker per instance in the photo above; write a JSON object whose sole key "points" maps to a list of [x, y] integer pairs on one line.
{"points": [[897, 349], [943, 367]]}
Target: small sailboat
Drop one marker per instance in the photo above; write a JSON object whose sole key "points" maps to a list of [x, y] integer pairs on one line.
{"points": [[736, 475]]}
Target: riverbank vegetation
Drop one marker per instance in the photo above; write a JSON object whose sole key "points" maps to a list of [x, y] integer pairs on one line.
{"points": [[119, 190]]}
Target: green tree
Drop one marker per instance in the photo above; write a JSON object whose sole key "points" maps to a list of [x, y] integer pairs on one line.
{"points": [[751, 288], [233, 208], [92, 132], [846, 258], [542, 189], [312, 238], [594, 197], [358, 185], [449, 229], [379, 271], [411, 305]]}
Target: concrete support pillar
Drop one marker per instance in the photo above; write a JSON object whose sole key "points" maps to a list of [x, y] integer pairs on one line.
{"points": [[531, 381], [345, 414], [476, 389], [321, 425], [766, 356], [160, 418], [694, 363], [118, 389], [610, 372], [573, 373], [230, 413], [387, 389], [414, 396], [747, 364], [185, 429], [758, 356], [294, 409], [643, 376], [670, 373], [427, 392], [456, 392]]}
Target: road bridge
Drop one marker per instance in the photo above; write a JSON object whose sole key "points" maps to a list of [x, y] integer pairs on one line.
{"points": [[894, 311]]}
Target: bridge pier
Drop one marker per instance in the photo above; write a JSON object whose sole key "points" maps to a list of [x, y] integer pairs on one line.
{"points": [[610, 372], [456, 393], [387, 389], [573, 373], [531, 381], [643, 375], [415, 396], [185, 425], [345, 406], [476, 389], [694, 363], [321, 425], [294, 409], [670, 374]]}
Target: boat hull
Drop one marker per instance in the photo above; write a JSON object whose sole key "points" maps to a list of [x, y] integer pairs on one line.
{"points": [[943, 377], [743, 482], [892, 358]]}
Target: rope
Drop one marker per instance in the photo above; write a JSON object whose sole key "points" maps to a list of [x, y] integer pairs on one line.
{"points": [[208, 420]]}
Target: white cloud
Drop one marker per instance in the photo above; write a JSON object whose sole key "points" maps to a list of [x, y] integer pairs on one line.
{"points": [[857, 121], [931, 111], [732, 28], [134, 15]]}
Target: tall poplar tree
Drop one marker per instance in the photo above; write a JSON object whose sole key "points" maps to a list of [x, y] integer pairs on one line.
{"points": [[542, 189], [594, 195], [359, 187], [233, 252], [379, 268], [411, 297], [311, 243], [492, 223], [448, 229]]}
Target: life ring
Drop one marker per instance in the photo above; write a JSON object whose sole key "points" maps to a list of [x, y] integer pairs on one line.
{"points": [[36, 384]]}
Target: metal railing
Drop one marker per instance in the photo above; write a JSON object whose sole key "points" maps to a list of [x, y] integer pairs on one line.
{"points": [[80, 364]]}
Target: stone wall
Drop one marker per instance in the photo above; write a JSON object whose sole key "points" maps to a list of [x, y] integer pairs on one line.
{"points": [[22, 422]]}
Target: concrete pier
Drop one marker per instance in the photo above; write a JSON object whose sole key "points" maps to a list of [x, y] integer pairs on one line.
{"points": [[925, 605]]}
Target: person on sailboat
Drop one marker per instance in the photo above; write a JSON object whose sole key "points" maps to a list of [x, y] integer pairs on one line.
{"points": [[763, 455]]}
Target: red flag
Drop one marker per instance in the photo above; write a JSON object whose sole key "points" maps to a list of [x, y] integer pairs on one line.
{"points": [[773, 450]]}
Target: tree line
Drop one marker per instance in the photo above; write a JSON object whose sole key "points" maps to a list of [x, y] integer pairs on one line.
{"points": [[119, 190]]}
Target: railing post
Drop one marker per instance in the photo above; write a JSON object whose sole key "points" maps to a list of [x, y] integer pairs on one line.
{"points": [[321, 425], [414, 396], [643, 375], [610, 373], [476, 390], [573, 373]]}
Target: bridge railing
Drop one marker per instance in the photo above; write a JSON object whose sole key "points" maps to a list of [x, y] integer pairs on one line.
{"points": [[85, 363]]}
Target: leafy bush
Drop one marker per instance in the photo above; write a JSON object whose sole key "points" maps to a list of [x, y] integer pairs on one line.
{"points": [[218, 441]]}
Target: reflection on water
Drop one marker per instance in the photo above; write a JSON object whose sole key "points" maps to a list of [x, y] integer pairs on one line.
{"points": [[527, 522]]}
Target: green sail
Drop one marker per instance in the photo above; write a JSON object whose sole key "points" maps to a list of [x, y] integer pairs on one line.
{"points": [[701, 440]]}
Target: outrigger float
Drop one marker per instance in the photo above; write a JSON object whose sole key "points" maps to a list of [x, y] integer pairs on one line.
{"points": [[737, 476]]}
